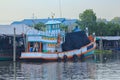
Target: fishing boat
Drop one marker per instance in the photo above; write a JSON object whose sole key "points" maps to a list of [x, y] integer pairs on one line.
{"points": [[6, 47], [54, 44]]}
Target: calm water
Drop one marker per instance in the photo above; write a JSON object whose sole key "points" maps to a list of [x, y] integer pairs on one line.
{"points": [[60, 71]]}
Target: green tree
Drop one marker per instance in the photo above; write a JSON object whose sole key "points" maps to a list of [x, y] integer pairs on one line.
{"points": [[88, 19], [113, 29], [40, 26], [100, 29], [116, 20], [64, 27]]}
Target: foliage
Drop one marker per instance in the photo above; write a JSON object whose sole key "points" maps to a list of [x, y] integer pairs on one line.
{"points": [[64, 27], [101, 27], [40, 26], [88, 19], [116, 20]]}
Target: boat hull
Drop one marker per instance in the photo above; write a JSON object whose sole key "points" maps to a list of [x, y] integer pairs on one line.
{"points": [[8, 55], [5, 56], [86, 51]]}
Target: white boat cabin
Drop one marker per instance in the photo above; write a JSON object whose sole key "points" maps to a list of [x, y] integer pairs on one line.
{"points": [[49, 40]]}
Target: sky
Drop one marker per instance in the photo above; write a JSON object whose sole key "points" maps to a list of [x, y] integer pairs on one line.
{"points": [[17, 10]]}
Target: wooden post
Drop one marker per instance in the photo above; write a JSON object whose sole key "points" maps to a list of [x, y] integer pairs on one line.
{"points": [[28, 47], [14, 45], [40, 48], [101, 48]]}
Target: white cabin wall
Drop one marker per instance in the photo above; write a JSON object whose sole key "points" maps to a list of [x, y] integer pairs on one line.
{"points": [[44, 46], [52, 49]]}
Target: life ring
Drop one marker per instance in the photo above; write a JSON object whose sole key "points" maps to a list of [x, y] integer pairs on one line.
{"points": [[65, 58], [75, 58]]}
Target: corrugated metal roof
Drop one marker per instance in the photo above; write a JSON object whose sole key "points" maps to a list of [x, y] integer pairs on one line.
{"points": [[9, 29], [109, 37]]}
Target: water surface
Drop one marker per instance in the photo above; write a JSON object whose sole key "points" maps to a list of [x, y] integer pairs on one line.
{"points": [[60, 71]]}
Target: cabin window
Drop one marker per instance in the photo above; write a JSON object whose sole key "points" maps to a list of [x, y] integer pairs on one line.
{"points": [[34, 47], [53, 27], [51, 45], [52, 39]]}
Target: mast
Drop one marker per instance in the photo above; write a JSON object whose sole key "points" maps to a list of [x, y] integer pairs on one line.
{"points": [[60, 8]]}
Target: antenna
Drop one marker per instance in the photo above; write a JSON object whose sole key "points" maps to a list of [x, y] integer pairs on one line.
{"points": [[33, 17], [52, 14], [60, 8]]}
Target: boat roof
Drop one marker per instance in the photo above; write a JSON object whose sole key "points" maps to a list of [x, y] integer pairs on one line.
{"points": [[52, 22]]}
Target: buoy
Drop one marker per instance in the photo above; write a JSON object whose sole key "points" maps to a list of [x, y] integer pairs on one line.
{"points": [[65, 58], [75, 58]]}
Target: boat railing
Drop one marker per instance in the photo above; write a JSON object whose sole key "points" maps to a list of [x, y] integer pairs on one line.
{"points": [[81, 49], [48, 33]]}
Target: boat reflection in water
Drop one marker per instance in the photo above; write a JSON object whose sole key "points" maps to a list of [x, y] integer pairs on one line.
{"points": [[59, 71]]}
